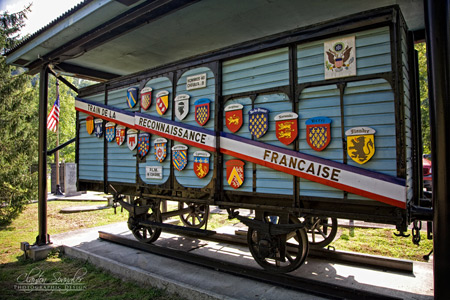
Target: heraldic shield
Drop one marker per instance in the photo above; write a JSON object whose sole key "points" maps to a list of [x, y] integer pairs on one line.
{"points": [[143, 144], [132, 139], [132, 94], [233, 117], [160, 149], [179, 154], [146, 97], [90, 124], [201, 163], [258, 121], [360, 144], [318, 132], [235, 173], [202, 111], [110, 131], [120, 134], [98, 127], [181, 106], [286, 125], [162, 102]]}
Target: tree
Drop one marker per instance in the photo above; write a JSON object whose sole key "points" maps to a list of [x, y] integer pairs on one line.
{"points": [[424, 101], [18, 123]]}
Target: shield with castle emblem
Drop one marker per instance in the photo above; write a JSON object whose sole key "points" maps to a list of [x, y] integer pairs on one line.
{"points": [[132, 139], [235, 173], [179, 157], [143, 143], [181, 106], [146, 97], [132, 96], [318, 132], [233, 117], [110, 133], [98, 127], [201, 163], [202, 111], [258, 122], [160, 149], [162, 102], [360, 144], [286, 125], [120, 134]]}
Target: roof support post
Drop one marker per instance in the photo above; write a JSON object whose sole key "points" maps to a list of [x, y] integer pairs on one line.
{"points": [[438, 46], [43, 238]]}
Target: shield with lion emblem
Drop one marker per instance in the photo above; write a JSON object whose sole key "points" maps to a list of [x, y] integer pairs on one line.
{"points": [[360, 144]]}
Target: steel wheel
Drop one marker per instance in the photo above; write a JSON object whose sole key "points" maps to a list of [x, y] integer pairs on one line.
{"points": [[196, 217], [267, 250], [322, 231], [146, 234]]}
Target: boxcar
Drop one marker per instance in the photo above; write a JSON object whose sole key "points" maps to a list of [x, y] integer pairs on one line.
{"points": [[302, 127]]}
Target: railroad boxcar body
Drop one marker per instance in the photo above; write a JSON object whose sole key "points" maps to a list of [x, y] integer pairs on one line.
{"points": [[318, 122]]}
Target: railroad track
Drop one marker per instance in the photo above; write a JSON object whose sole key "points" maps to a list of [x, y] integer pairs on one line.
{"points": [[304, 285]]}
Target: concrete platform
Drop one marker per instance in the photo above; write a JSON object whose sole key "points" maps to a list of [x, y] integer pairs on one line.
{"points": [[193, 282]]}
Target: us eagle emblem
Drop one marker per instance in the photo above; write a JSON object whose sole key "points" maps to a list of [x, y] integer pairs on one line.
{"points": [[340, 58]]}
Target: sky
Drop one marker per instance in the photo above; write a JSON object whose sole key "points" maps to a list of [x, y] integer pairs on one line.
{"points": [[42, 11]]}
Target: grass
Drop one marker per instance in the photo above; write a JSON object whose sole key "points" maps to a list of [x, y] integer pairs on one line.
{"points": [[382, 242], [98, 284], [94, 284]]}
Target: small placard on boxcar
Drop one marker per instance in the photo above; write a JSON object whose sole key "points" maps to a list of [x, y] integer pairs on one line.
{"points": [[154, 172]]}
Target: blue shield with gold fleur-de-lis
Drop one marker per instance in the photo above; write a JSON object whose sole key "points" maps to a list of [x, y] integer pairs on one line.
{"points": [[179, 156], [132, 96], [143, 144], [202, 111], [258, 122], [110, 132]]}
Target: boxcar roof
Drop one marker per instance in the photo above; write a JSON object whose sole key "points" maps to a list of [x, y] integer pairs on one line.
{"points": [[105, 39]]}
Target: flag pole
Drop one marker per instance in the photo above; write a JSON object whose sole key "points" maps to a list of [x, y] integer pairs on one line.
{"points": [[58, 183]]}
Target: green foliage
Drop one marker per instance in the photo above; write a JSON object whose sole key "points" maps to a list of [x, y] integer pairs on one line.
{"points": [[18, 123], [424, 101], [67, 119]]}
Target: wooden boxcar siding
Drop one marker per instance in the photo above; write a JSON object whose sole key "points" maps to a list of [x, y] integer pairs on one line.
{"points": [[91, 152], [317, 102], [373, 55], [255, 72], [407, 106], [121, 161], [251, 73], [247, 186], [187, 176], [267, 179], [371, 103], [158, 85]]}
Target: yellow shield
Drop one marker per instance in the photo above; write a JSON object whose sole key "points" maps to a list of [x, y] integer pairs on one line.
{"points": [[360, 144], [90, 124]]}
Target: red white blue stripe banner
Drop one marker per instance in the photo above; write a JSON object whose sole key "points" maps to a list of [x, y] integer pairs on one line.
{"points": [[384, 188]]}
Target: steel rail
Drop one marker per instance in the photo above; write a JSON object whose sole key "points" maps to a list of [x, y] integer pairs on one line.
{"points": [[305, 285]]}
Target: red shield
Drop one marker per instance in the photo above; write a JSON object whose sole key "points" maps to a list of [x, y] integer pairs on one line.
{"points": [[146, 97], [235, 173], [120, 134], [201, 163], [233, 117], [318, 132], [286, 125]]}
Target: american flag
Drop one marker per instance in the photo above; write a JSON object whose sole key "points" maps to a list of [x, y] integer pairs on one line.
{"points": [[53, 116]]}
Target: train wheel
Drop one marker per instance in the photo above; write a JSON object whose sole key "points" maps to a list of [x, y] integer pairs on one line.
{"points": [[146, 234], [267, 250], [321, 231], [196, 217]]}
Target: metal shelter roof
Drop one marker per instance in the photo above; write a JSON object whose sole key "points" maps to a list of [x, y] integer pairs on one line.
{"points": [[104, 39]]}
